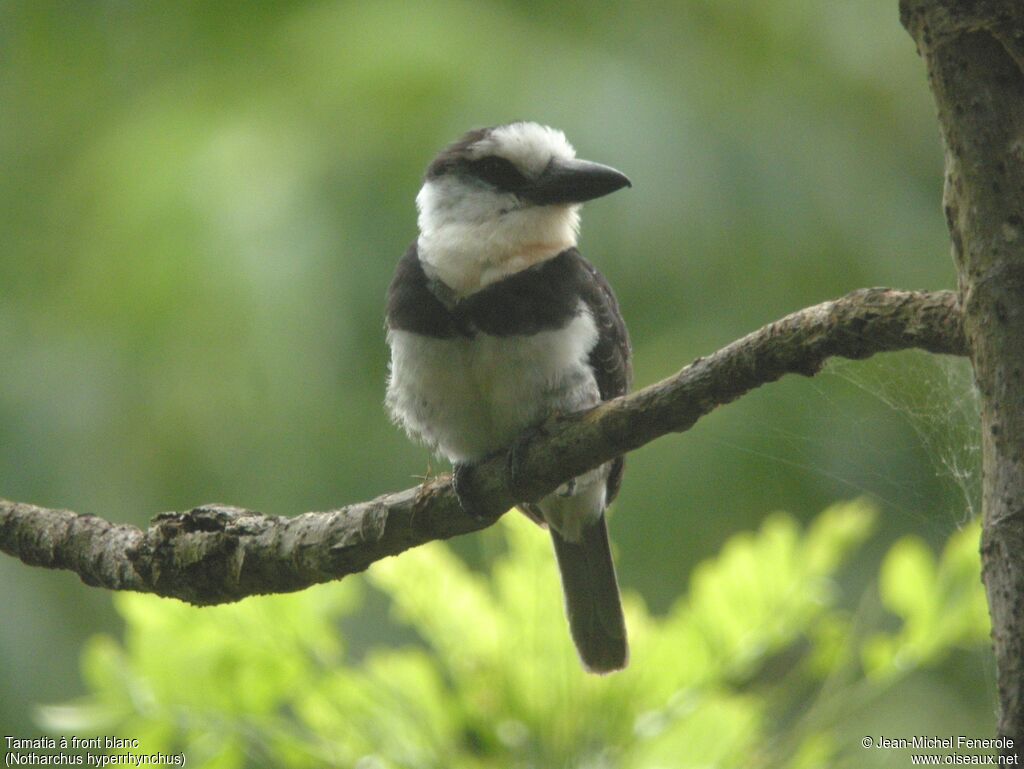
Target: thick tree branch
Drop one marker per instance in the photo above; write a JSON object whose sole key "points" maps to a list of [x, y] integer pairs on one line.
{"points": [[215, 554], [975, 57]]}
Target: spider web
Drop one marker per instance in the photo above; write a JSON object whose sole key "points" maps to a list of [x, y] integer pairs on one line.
{"points": [[936, 397], [877, 428]]}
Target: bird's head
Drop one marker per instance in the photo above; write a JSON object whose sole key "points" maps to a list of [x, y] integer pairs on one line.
{"points": [[502, 199]]}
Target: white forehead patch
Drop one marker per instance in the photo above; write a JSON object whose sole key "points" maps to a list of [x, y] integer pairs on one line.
{"points": [[529, 146]]}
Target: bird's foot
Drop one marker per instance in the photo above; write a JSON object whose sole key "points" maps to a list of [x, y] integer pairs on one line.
{"points": [[567, 489], [514, 475], [469, 500]]}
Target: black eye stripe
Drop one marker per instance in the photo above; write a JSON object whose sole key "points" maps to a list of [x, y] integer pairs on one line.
{"points": [[498, 172]]}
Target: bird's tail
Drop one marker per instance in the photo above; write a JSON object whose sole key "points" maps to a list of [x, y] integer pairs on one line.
{"points": [[592, 598]]}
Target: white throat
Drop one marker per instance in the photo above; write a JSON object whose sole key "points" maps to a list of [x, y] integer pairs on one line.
{"points": [[470, 238]]}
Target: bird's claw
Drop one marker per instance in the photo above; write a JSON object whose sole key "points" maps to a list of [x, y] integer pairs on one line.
{"points": [[463, 485], [514, 459]]}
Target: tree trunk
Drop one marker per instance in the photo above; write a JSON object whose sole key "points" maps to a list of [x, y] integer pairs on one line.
{"points": [[975, 57]]}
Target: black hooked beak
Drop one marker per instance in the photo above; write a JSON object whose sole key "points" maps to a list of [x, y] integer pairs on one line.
{"points": [[573, 181]]}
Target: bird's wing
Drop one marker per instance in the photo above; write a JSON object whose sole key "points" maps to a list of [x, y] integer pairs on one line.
{"points": [[612, 357]]}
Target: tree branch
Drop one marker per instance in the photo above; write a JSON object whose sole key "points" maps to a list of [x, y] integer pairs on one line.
{"points": [[216, 554]]}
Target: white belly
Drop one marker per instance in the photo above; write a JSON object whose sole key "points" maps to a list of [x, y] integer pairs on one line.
{"points": [[467, 398]]}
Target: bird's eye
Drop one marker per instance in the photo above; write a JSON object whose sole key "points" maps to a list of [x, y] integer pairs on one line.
{"points": [[499, 173]]}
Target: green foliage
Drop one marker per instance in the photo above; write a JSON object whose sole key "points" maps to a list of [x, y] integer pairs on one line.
{"points": [[941, 603], [490, 679], [201, 204]]}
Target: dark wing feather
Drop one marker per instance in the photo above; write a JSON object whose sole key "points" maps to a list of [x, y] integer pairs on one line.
{"points": [[612, 356]]}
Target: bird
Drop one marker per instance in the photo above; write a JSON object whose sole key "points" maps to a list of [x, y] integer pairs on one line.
{"points": [[496, 322]]}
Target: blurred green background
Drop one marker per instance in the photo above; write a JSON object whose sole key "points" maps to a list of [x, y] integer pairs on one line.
{"points": [[201, 204]]}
